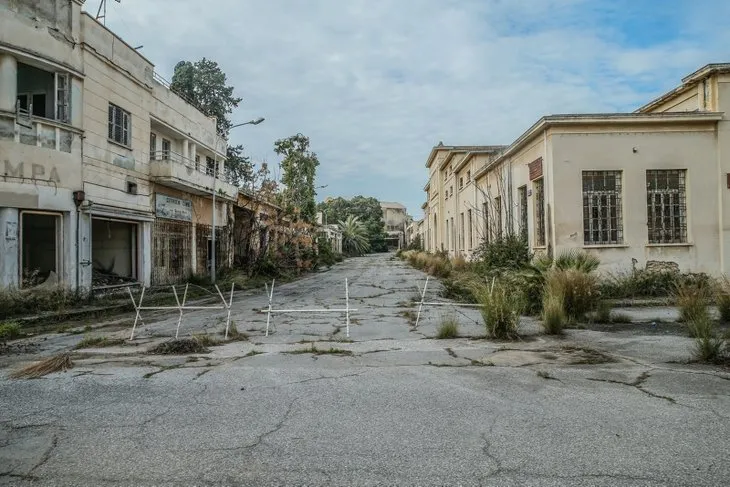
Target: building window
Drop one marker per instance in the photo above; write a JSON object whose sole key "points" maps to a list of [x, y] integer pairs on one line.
{"points": [[468, 176], [62, 97], [197, 163], [539, 212], [522, 194], [602, 221], [448, 235], [166, 148], [451, 191], [498, 217], [453, 235], [209, 166], [471, 240], [666, 206], [153, 146], [461, 231], [120, 125], [461, 182], [485, 213]]}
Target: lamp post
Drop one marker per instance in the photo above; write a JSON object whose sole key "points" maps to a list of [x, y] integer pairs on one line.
{"points": [[215, 177]]}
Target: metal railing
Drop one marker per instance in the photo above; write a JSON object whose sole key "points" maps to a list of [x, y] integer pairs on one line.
{"points": [[199, 166]]}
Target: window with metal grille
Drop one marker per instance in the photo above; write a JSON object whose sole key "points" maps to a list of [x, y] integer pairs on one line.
{"points": [[166, 145], [539, 212], [522, 193], [461, 231], [602, 220], [62, 97], [471, 237], [485, 214], [666, 206], [498, 217], [120, 125]]}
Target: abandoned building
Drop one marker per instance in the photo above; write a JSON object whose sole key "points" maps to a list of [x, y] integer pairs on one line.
{"points": [[395, 220], [647, 188], [108, 176]]}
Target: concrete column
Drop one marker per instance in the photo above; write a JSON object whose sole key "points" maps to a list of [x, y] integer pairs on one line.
{"points": [[9, 247], [84, 242], [192, 151], [145, 254], [67, 276], [185, 148], [8, 82]]}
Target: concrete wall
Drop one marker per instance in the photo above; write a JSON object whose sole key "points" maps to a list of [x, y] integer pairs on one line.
{"points": [[693, 149]]}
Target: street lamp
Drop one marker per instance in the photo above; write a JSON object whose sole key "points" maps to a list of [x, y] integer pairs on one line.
{"points": [[215, 177]]}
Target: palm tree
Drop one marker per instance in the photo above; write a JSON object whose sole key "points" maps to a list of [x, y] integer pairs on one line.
{"points": [[354, 236]]}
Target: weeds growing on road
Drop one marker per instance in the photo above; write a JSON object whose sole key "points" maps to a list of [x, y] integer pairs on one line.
{"points": [[98, 342], [501, 308], [252, 353], [9, 330], [182, 346], [553, 312], [449, 327], [318, 351], [578, 289], [723, 299], [692, 300]]}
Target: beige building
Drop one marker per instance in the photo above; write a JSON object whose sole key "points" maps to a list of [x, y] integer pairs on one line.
{"points": [[108, 175], [633, 188], [395, 219]]}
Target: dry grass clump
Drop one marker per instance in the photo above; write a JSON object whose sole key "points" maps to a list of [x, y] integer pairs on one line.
{"points": [[553, 312], [458, 263], [501, 308], [61, 362], [722, 299], [437, 265], [182, 346], [98, 342], [449, 327], [578, 288], [692, 299]]}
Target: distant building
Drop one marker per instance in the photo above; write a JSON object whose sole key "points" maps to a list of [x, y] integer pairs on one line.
{"points": [[395, 219]]}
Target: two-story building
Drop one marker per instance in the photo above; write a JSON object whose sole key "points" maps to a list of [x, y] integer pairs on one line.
{"points": [[107, 175]]}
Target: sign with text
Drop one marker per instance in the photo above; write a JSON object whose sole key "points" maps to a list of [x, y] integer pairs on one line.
{"points": [[173, 208]]}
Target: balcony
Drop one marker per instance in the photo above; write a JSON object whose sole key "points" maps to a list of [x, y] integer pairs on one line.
{"points": [[25, 129], [176, 171]]}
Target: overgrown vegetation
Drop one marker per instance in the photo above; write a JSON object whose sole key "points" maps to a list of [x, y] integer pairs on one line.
{"points": [[723, 299], [692, 300], [553, 312], [182, 346], [320, 351], [369, 214], [9, 330], [501, 309], [98, 342], [449, 327]]}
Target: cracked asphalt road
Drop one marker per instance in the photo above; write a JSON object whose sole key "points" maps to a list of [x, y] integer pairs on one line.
{"points": [[592, 408]]}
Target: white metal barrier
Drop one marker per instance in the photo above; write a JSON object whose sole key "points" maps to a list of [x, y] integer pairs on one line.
{"points": [[345, 310], [423, 302], [181, 307]]}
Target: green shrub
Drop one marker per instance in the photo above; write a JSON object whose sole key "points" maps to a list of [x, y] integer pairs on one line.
{"points": [[723, 299], [692, 299], [510, 252], [501, 308], [449, 327], [603, 313], [9, 330], [708, 347], [579, 290], [18, 302], [643, 284], [553, 312]]}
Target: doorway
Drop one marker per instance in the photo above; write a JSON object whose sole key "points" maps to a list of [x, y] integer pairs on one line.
{"points": [[40, 253]]}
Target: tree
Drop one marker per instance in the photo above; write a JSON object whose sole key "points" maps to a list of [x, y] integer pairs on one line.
{"points": [[299, 167], [204, 84], [354, 236], [368, 212]]}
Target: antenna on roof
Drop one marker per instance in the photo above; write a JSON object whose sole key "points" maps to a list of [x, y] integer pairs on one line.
{"points": [[101, 13]]}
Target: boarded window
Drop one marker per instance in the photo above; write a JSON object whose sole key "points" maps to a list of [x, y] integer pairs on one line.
{"points": [[119, 125], [666, 206], [539, 212], [602, 220]]}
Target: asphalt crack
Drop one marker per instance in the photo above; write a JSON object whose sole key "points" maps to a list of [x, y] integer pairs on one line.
{"points": [[638, 384]]}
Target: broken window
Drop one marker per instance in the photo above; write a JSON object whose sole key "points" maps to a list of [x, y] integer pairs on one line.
{"points": [[41, 246], [209, 166], [113, 251], [522, 193], [120, 125], [539, 212], [602, 220], [666, 204]]}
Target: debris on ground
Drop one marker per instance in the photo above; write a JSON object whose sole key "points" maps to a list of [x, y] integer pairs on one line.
{"points": [[61, 362], [181, 346]]}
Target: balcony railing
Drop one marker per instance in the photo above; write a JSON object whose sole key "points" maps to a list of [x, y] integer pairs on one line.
{"points": [[202, 167], [36, 131]]}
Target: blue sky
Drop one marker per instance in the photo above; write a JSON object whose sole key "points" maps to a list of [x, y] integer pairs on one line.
{"points": [[376, 83]]}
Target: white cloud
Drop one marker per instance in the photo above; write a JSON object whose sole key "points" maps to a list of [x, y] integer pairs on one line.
{"points": [[376, 83]]}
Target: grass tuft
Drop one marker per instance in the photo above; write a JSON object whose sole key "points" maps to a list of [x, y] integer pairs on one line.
{"points": [[449, 327], [501, 308], [253, 353], [182, 346], [319, 351], [692, 299], [553, 312]]}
